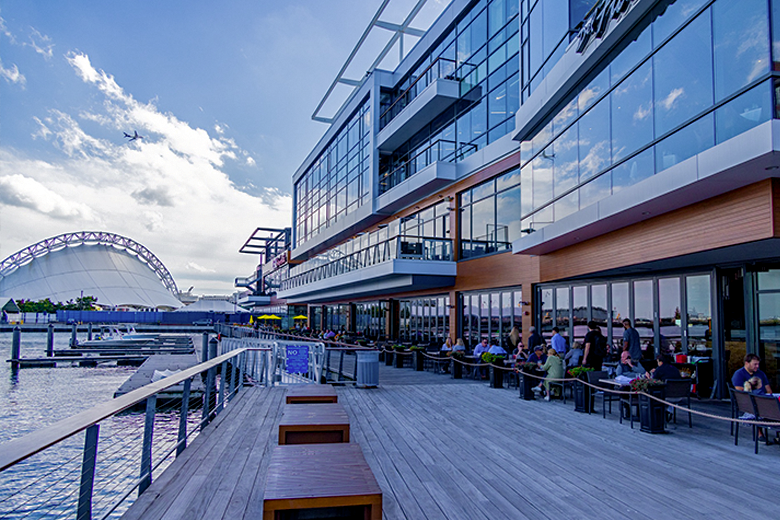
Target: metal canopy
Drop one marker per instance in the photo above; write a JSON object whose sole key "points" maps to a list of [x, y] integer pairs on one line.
{"points": [[267, 242], [398, 31]]}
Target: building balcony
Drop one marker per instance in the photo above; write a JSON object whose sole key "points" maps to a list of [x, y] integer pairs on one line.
{"points": [[247, 281], [250, 300], [398, 264], [437, 88]]}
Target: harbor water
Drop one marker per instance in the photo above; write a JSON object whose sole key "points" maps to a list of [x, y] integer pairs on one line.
{"points": [[46, 485]]}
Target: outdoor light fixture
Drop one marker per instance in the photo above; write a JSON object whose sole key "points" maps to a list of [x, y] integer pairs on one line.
{"points": [[527, 230]]}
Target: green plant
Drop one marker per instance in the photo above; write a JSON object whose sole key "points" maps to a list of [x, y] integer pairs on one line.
{"points": [[458, 354], [496, 359], [416, 348], [527, 366], [643, 384], [399, 347], [579, 371]]}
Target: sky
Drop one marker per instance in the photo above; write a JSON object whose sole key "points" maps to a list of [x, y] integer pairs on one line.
{"points": [[222, 93]]}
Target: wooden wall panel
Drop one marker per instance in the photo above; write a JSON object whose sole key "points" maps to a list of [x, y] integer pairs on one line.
{"points": [[741, 216], [776, 205], [493, 271]]}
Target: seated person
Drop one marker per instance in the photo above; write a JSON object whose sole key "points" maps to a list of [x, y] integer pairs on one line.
{"points": [[665, 369], [480, 349], [554, 368], [573, 357], [749, 371], [496, 349], [627, 368], [447, 346], [538, 356], [459, 346]]}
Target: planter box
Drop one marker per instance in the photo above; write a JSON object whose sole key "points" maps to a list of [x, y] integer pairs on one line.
{"points": [[496, 377], [583, 400], [456, 369], [418, 360], [399, 359], [652, 414], [526, 384], [389, 358]]}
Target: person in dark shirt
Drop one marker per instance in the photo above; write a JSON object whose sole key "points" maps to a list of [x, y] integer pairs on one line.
{"points": [[750, 370], [535, 339], [595, 347], [538, 356], [665, 369]]}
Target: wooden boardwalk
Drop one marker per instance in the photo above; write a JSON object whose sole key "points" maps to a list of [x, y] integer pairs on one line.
{"points": [[442, 448]]}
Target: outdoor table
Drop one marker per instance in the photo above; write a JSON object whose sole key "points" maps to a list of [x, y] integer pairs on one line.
{"points": [[303, 394], [313, 424], [326, 480]]}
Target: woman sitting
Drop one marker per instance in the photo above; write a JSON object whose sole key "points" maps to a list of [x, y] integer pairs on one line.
{"points": [[573, 357], [627, 368], [554, 368]]}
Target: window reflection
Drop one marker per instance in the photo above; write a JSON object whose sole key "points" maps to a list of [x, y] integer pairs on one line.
{"points": [[632, 171], [686, 143], [632, 112], [743, 113], [564, 158], [594, 144]]}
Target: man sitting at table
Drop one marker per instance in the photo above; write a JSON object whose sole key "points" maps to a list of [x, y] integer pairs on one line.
{"points": [[538, 356], [749, 371], [480, 349], [665, 369], [496, 349]]}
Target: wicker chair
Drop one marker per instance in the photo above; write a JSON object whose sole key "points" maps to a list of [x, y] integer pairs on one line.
{"points": [[677, 391], [767, 409]]}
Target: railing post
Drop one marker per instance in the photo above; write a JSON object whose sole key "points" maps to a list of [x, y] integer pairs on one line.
{"points": [[73, 337], [16, 348], [204, 348], [84, 511], [221, 396], [207, 398], [146, 448], [50, 340], [89, 332], [185, 408], [341, 364], [240, 383]]}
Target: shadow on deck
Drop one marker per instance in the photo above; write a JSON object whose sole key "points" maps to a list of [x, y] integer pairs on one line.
{"points": [[457, 449]]}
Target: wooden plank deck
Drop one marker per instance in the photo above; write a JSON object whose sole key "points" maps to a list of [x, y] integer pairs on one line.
{"points": [[457, 449]]}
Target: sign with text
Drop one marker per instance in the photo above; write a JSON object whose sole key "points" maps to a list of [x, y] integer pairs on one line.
{"points": [[297, 359]]}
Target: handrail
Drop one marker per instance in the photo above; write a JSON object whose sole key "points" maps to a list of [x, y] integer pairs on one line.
{"points": [[16, 450], [391, 173], [423, 74]]}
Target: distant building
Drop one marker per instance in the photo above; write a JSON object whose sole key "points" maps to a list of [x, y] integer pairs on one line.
{"points": [[118, 271], [551, 162]]}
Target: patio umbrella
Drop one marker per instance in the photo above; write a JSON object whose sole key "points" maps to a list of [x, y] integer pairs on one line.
{"points": [[273, 317], [300, 317], [263, 317]]}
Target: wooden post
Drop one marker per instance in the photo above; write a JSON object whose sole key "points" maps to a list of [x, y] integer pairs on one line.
{"points": [[89, 332], [84, 511], [16, 348], [50, 340], [221, 396], [146, 448], [185, 403], [204, 349]]}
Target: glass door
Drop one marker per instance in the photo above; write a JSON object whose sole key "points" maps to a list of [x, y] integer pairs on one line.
{"points": [[769, 325], [734, 323]]}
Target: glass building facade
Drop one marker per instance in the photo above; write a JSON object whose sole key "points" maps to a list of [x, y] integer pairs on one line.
{"points": [[490, 216], [424, 320], [692, 74], [481, 52], [490, 314], [336, 183]]}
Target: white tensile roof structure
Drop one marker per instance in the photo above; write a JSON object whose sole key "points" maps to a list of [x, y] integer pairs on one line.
{"points": [[116, 270], [213, 305]]}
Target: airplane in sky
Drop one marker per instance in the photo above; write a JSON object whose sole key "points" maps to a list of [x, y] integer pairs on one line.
{"points": [[134, 136]]}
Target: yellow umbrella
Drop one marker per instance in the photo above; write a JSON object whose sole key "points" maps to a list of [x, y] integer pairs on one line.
{"points": [[263, 317], [273, 317], [300, 317]]}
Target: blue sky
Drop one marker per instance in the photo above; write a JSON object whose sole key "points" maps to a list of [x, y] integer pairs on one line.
{"points": [[222, 91]]}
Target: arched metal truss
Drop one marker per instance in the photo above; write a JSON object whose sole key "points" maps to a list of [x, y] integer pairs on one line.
{"points": [[50, 245]]}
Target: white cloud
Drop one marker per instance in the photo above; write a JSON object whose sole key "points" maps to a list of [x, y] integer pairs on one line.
{"points": [[250, 161], [669, 101], [168, 191], [12, 74], [41, 43]]}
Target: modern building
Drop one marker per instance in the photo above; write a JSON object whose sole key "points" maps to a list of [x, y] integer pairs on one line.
{"points": [[118, 271], [551, 162]]}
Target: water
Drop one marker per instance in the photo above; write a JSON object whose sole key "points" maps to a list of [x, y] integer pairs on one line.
{"points": [[45, 486]]}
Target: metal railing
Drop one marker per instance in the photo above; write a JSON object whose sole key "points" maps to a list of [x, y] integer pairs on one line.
{"points": [[41, 471], [399, 247], [441, 68], [441, 150]]}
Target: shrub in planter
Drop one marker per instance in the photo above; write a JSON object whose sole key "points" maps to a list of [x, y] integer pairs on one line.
{"points": [[527, 382], [582, 393], [418, 359], [651, 412], [456, 365]]}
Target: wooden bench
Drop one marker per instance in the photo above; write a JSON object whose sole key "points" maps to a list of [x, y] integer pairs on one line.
{"points": [[311, 394], [313, 423], [323, 479]]}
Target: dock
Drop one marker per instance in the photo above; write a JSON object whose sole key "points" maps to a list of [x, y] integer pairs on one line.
{"points": [[162, 362], [457, 449]]}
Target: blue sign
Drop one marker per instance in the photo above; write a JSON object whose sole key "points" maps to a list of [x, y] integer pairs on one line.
{"points": [[297, 359]]}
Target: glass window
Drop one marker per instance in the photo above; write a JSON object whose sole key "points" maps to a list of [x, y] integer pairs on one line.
{"points": [[769, 280], [633, 171], [542, 180], [580, 312], [683, 76], [562, 309], [564, 159], [631, 55], [599, 310], [483, 225], [769, 335], [508, 179], [517, 319], [546, 306], [508, 217], [556, 23], [567, 205], [743, 113], [497, 106], [595, 190], [670, 318], [699, 315], [526, 174], [535, 29], [741, 37], [643, 315], [484, 322], [594, 143], [591, 93], [672, 16], [686, 143], [620, 310], [632, 112]]}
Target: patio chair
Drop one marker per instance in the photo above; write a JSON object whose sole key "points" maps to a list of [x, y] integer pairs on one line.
{"points": [[734, 408], [677, 391], [767, 409], [606, 396], [744, 406]]}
